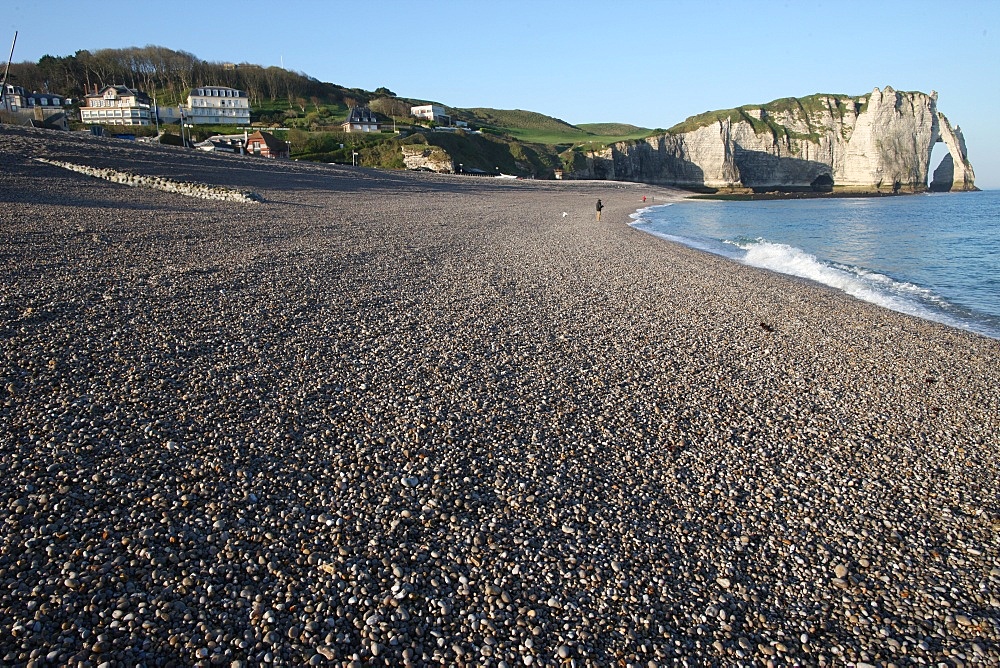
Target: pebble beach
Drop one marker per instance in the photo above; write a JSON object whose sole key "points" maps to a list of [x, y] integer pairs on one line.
{"points": [[358, 417]]}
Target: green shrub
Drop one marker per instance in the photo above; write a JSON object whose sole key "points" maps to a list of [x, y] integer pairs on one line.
{"points": [[170, 139]]}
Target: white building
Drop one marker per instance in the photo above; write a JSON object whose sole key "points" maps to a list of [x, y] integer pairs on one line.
{"points": [[217, 105], [431, 112], [14, 98], [117, 105]]}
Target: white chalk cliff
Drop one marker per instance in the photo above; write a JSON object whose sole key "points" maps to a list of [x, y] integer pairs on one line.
{"points": [[955, 171], [879, 142], [433, 158]]}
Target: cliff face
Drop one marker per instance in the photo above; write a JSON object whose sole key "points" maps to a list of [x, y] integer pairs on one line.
{"points": [[434, 158], [876, 142]]}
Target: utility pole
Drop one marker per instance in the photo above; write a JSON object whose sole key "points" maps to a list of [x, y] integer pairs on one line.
{"points": [[6, 71]]}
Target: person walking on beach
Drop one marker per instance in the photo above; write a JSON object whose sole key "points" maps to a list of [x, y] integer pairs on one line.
{"points": [[599, 207]]}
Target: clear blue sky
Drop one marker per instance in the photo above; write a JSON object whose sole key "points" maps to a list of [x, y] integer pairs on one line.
{"points": [[647, 63]]}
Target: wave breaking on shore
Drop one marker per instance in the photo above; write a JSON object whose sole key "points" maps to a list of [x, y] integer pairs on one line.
{"points": [[859, 282]]}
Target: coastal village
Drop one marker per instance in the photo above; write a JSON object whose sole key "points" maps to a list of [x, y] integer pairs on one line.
{"points": [[120, 107]]}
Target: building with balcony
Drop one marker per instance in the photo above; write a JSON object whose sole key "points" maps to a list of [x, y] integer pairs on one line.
{"points": [[431, 112], [117, 105], [217, 105]]}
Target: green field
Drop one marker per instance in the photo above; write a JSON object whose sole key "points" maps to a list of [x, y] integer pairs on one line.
{"points": [[535, 128], [614, 132]]}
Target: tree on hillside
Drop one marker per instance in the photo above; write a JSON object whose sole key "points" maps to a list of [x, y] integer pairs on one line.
{"points": [[106, 66], [155, 68], [26, 75], [59, 74], [390, 106]]}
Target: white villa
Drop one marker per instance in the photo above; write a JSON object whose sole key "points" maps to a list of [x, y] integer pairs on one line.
{"points": [[431, 112], [217, 105], [117, 105]]}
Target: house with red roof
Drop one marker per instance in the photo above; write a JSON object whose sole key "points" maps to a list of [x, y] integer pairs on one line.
{"points": [[267, 145]]}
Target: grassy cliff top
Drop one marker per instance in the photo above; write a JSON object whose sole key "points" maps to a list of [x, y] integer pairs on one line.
{"points": [[533, 127], [614, 129], [521, 120], [800, 106], [836, 103]]}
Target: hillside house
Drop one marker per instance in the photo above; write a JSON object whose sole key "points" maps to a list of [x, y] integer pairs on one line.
{"points": [[117, 105], [361, 119], [267, 145], [217, 105], [431, 112]]}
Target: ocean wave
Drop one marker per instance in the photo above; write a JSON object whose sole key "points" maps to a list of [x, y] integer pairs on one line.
{"points": [[858, 282], [961, 303]]}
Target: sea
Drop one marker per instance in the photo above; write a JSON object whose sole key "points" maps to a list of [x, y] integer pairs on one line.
{"points": [[935, 256]]}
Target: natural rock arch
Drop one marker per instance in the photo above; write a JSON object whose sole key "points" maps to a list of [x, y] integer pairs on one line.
{"points": [[864, 143], [955, 171]]}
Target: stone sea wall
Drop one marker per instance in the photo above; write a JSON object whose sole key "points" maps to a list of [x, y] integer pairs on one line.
{"points": [[198, 190], [876, 142]]}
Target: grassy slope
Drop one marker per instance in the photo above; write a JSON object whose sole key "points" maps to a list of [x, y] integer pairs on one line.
{"points": [[517, 141], [535, 128], [615, 130]]}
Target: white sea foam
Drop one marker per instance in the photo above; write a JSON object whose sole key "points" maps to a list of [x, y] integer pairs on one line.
{"points": [[964, 237], [855, 281]]}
